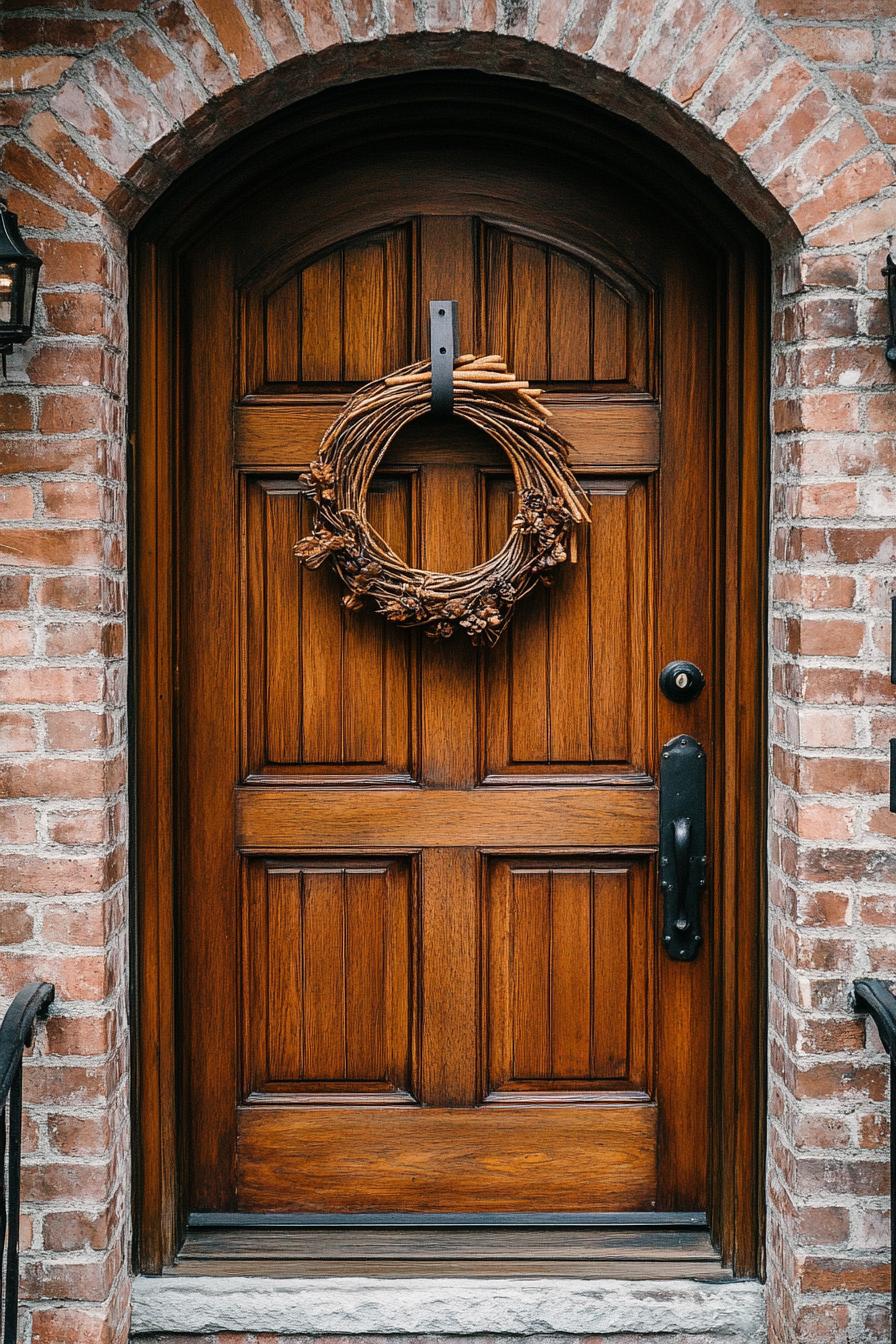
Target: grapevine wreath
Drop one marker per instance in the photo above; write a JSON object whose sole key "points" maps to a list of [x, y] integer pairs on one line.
{"points": [[479, 600]]}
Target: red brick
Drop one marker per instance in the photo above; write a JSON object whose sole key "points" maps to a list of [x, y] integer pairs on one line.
{"points": [[38, 213], [45, 131], [88, 925], [170, 83], [79, 1035], [75, 592], [52, 877], [837, 45], [15, 412], [708, 57], [70, 34], [16, 923], [234, 35], [76, 314], [70, 1325], [74, 500], [73, 1231], [17, 732], [49, 778], [24, 166], [17, 824], [278, 31], [51, 548], [181, 31], [32, 72], [825, 635], [67, 262], [762, 110]]}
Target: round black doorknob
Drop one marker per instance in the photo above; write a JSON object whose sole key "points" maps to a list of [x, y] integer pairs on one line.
{"points": [[681, 680]]}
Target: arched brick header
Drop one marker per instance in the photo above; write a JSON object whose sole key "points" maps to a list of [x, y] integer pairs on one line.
{"points": [[784, 104], [154, 92]]}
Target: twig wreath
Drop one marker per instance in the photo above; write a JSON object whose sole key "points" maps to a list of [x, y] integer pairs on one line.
{"points": [[479, 600]]}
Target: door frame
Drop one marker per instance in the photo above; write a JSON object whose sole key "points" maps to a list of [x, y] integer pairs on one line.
{"points": [[741, 397]]}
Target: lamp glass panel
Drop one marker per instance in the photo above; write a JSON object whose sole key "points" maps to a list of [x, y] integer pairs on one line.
{"points": [[9, 294]]}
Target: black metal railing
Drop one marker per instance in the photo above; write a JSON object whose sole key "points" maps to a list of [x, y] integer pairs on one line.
{"points": [[876, 998], [16, 1032]]}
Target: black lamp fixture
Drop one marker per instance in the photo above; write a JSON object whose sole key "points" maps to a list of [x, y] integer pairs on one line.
{"points": [[18, 284], [889, 274]]}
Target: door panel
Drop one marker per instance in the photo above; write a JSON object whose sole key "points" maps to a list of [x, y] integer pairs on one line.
{"points": [[328, 694], [423, 873], [568, 970], [567, 691], [329, 980]]}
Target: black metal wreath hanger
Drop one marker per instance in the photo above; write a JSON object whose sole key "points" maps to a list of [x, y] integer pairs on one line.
{"points": [[443, 351]]}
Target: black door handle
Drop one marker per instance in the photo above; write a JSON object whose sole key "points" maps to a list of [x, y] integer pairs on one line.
{"points": [[682, 845]]}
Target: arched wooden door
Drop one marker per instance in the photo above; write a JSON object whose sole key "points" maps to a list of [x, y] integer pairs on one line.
{"points": [[418, 909]]}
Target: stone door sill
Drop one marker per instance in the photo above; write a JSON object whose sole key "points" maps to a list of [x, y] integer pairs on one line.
{"points": [[196, 1304]]}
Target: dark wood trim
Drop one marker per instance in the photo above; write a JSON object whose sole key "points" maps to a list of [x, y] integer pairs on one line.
{"points": [[660, 1252], [738, 938]]}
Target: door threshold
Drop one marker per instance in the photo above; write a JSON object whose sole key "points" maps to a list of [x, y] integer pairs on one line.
{"points": [[406, 1246], [448, 1307]]}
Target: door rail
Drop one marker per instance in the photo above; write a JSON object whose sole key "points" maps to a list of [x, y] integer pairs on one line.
{"points": [[875, 998], [16, 1034]]}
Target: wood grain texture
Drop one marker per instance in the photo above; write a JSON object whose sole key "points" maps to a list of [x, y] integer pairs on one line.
{"points": [[455, 1159], [704, 452], [626, 1253], [328, 693], [602, 435], [281, 819], [329, 981], [569, 968], [568, 693]]}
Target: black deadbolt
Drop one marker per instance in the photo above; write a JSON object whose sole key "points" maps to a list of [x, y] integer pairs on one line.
{"points": [[680, 680]]}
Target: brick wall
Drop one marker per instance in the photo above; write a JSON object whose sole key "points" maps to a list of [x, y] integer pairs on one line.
{"points": [[791, 104]]}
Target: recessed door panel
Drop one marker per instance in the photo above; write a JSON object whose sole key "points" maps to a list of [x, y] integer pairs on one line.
{"points": [[568, 969], [330, 693], [568, 692], [329, 980]]}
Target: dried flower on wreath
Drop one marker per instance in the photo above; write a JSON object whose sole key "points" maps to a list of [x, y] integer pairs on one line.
{"points": [[478, 601]]}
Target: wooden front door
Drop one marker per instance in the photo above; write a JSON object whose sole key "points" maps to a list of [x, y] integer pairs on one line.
{"points": [[418, 918]]}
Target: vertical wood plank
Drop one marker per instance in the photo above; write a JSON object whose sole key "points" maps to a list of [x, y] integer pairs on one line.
{"points": [[448, 720], [364, 299], [448, 270], [321, 320], [612, 971], [610, 334], [367, 913], [449, 1000], [323, 966], [402, 989], [364, 661], [572, 974], [322, 685], [281, 333], [569, 662], [283, 583], [531, 957], [285, 991], [528, 310], [610, 624], [398, 301], [571, 328]]}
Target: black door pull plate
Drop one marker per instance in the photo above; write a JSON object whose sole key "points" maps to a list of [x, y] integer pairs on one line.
{"points": [[682, 845]]}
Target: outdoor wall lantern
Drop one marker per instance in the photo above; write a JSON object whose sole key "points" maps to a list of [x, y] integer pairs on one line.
{"points": [[889, 274], [18, 285]]}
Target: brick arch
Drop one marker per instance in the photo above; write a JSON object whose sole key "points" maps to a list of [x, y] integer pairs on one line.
{"points": [[110, 105], [787, 143]]}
